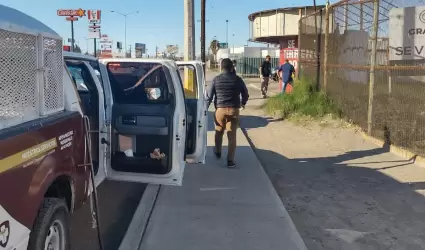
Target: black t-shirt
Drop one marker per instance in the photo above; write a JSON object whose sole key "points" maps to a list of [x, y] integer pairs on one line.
{"points": [[266, 69]]}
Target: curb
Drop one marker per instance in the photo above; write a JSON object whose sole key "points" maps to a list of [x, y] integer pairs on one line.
{"points": [[404, 153], [137, 228], [299, 239]]}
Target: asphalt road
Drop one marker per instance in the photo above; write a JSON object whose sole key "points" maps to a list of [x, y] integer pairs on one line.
{"points": [[117, 203]]}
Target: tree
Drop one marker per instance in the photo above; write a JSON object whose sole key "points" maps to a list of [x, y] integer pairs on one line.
{"points": [[214, 47], [77, 48]]}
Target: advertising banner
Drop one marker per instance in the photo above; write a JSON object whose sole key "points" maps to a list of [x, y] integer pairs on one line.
{"points": [[140, 49], [106, 46], [172, 49], [407, 33]]}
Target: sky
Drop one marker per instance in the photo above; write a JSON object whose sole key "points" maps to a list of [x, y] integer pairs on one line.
{"points": [[158, 23]]}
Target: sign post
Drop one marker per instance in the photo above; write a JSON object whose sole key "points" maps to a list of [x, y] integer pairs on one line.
{"points": [[71, 16]]}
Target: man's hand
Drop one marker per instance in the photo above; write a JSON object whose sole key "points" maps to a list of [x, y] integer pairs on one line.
{"points": [[242, 107]]}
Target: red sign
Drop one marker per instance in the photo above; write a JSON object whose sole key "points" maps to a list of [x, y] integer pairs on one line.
{"points": [[289, 51], [71, 18], [290, 54], [93, 16], [67, 48], [80, 12]]}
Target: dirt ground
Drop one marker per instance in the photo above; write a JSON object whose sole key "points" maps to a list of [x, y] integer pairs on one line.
{"points": [[341, 191]]}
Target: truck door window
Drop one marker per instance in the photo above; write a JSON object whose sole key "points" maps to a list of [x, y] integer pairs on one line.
{"points": [[124, 77], [78, 79]]}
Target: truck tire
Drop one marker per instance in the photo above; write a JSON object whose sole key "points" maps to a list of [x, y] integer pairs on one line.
{"points": [[51, 226]]}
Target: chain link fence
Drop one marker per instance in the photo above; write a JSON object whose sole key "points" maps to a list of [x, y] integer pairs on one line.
{"points": [[348, 56]]}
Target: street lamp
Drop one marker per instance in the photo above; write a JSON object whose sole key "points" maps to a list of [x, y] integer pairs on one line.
{"points": [[227, 32], [125, 26], [233, 43]]}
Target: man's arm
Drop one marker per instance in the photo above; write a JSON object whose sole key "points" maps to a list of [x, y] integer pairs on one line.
{"points": [[210, 93], [244, 91], [262, 68]]}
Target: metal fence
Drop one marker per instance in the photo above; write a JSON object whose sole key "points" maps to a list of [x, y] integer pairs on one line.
{"points": [[348, 57], [249, 66], [31, 83]]}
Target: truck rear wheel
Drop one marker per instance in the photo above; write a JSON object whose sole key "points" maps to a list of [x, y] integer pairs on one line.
{"points": [[51, 227]]}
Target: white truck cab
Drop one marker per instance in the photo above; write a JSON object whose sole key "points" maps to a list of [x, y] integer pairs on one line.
{"points": [[143, 127]]}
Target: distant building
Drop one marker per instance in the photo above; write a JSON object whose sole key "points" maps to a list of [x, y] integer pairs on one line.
{"points": [[280, 27]]}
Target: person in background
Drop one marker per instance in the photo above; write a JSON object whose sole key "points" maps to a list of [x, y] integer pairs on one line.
{"points": [[287, 70], [265, 72], [234, 66], [227, 89]]}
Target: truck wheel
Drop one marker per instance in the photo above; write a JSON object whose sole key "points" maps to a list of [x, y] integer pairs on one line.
{"points": [[51, 227]]}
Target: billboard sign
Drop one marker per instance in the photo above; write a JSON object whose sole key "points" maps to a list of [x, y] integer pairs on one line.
{"points": [[79, 12], [407, 33], [93, 16], [94, 34], [223, 45], [94, 24], [140, 49], [106, 46], [172, 49]]}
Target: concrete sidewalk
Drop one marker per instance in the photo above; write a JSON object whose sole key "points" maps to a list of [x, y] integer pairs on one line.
{"points": [[220, 208]]}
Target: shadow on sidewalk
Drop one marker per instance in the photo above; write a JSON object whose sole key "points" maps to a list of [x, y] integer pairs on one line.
{"points": [[246, 121], [336, 206]]}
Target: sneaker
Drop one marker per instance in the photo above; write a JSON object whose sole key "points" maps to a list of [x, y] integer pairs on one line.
{"points": [[231, 164], [217, 155]]}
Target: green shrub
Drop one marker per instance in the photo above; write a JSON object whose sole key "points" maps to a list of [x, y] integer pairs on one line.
{"points": [[304, 100]]}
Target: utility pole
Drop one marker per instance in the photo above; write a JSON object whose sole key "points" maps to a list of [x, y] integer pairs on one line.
{"points": [[189, 30], [203, 3], [128, 53], [189, 46], [156, 51]]}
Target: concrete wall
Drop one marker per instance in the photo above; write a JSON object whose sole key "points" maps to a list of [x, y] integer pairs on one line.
{"points": [[278, 23]]}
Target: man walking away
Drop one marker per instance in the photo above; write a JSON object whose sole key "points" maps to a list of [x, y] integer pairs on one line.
{"points": [[287, 70], [234, 66], [265, 71], [227, 88]]}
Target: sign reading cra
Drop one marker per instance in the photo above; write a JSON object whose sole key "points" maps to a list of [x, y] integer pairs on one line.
{"points": [[407, 33]]}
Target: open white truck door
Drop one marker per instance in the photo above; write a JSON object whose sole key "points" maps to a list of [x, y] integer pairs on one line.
{"points": [[197, 110], [146, 140], [87, 81]]}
